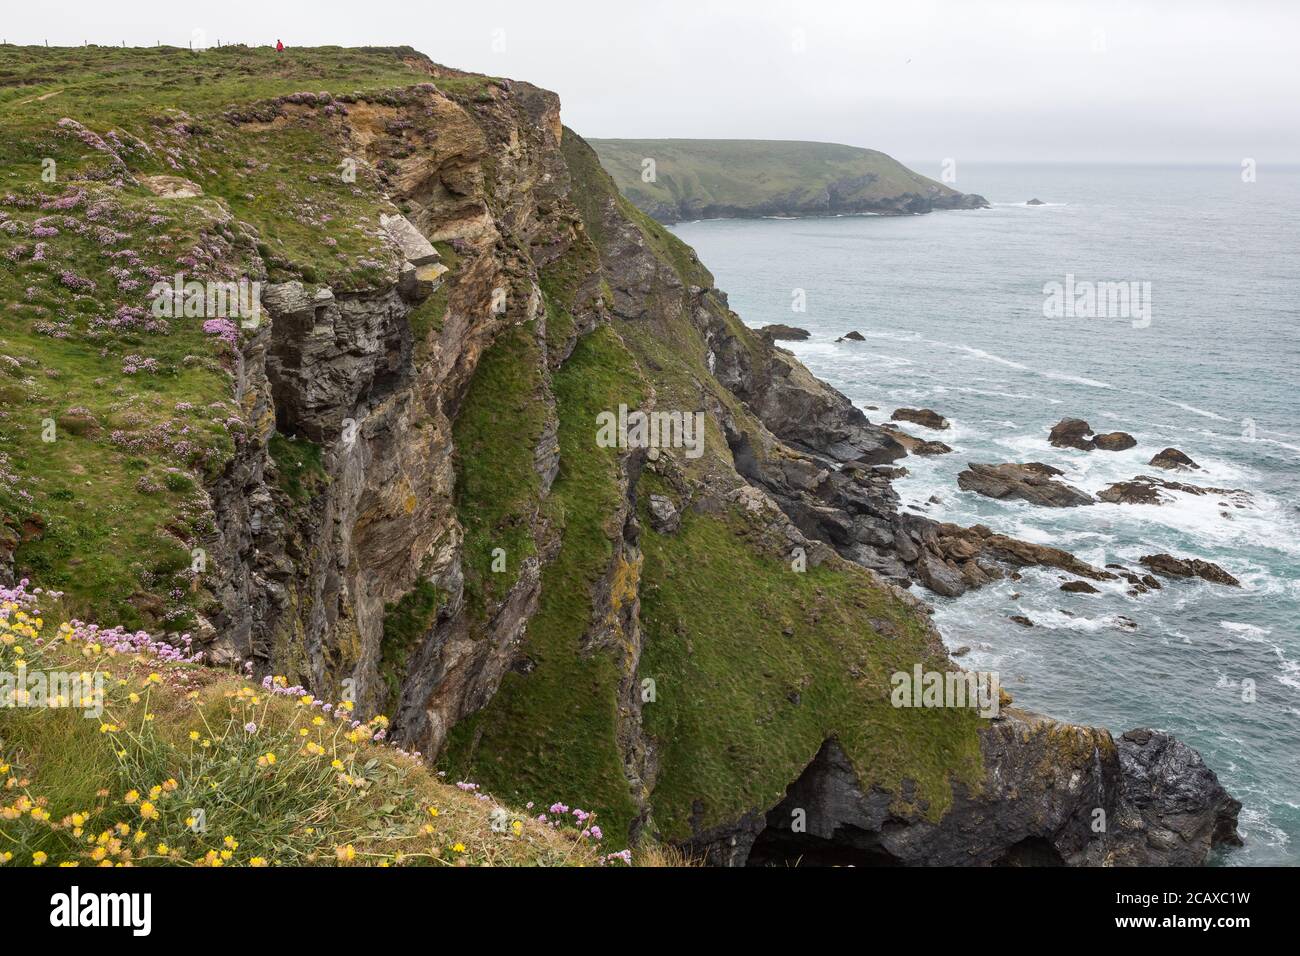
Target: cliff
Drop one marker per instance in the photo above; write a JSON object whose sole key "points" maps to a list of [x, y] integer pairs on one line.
{"points": [[675, 179], [390, 486]]}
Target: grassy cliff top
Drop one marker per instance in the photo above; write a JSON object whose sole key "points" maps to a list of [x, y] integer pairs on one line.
{"points": [[758, 177], [110, 418]]}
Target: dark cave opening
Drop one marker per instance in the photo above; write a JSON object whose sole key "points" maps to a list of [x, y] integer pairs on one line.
{"points": [[778, 846], [1031, 851]]}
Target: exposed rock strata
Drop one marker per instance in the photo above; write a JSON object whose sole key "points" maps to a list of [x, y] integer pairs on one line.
{"points": [[1033, 482], [927, 417], [1172, 567], [1148, 490], [1173, 460]]}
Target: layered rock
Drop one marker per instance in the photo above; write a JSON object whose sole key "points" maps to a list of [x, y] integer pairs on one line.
{"points": [[1148, 490], [1173, 460], [1172, 567], [1033, 482], [927, 417], [778, 332]]}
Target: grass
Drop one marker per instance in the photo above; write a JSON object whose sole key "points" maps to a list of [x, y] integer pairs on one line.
{"points": [[755, 665], [498, 489], [695, 177], [299, 465], [187, 766], [406, 622], [559, 720]]}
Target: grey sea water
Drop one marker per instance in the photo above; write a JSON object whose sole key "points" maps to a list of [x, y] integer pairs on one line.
{"points": [[951, 305]]}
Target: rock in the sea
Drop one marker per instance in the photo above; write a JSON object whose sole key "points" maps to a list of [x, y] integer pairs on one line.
{"points": [[1079, 587], [1173, 459], [854, 336], [1147, 490], [914, 445], [1186, 809], [1071, 433], [1021, 620], [1172, 567], [1114, 441], [778, 332], [927, 417], [1032, 482], [1035, 202], [1135, 492]]}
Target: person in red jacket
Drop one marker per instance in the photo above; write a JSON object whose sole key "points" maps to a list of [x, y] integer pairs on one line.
{"points": [[279, 47]]}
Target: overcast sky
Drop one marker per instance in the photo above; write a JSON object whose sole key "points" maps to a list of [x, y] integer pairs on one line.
{"points": [[1172, 80]]}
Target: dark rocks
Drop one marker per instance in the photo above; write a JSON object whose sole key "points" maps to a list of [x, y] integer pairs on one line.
{"points": [[1185, 808], [854, 336], [1079, 587], [914, 445], [1172, 567], [779, 332], [1135, 492], [926, 417], [1021, 620], [1076, 433], [1174, 460], [1148, 490], [939, 577], [891, 471], [1035, 202], [1032, 482], [1138, 585], [1114, 441], [1036, 805], [1071, 433]]}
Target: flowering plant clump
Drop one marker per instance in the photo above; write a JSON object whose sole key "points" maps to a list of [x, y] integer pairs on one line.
{"points": [[179, 764]]}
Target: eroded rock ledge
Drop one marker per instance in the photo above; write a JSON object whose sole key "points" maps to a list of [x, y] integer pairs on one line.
{"points": [[1054, 794]]}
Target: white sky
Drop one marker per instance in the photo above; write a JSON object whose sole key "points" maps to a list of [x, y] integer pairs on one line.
{"points": [[1172, 80]]}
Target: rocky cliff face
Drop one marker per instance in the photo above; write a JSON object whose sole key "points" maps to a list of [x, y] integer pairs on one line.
{"points": [[695, 637]]}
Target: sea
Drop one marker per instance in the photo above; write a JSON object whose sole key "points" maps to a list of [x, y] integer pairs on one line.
{"points": [[965, 312]]}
